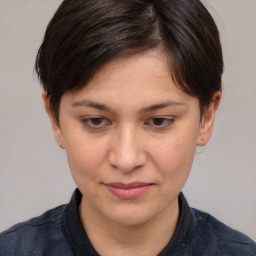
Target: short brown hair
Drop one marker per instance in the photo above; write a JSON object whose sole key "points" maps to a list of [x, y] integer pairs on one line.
{"points": [[85, 35]]}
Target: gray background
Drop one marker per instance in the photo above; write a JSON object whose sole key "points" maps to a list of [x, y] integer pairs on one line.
{"points": [[34, 174]]}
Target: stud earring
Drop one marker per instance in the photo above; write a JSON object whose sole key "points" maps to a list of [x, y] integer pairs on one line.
{"points": [[59, 144]]}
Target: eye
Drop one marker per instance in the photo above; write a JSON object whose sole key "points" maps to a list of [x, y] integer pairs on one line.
{"points": [[160, 122], [95, 122]]}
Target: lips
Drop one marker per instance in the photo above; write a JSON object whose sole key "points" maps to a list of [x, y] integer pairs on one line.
{"points": [[128, 191]]}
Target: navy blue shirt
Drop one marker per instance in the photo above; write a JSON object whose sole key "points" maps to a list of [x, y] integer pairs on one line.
{"points": [[59, 232]]}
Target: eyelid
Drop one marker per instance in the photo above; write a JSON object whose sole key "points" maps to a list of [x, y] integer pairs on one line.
{"points": [[86, 122], [168, 121]]}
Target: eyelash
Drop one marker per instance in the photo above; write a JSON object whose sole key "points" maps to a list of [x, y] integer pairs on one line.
{"points": [[167, 122], [88, 122]]}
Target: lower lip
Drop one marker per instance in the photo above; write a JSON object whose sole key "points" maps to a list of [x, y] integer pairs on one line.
{"points": [[129, 193]]}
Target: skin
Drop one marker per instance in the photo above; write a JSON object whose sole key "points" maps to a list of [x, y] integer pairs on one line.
{"points": [[131, 123]]}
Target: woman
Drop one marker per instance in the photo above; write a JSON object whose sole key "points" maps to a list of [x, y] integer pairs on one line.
{"points": [[131, 88]]}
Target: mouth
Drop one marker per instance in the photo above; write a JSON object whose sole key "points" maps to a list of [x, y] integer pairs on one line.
{"points": [[128, 191]]}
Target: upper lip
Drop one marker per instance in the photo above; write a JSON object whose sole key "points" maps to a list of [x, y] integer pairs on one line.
{"points": [[127, 185]]}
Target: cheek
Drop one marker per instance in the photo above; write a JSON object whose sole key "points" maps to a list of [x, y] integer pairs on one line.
{"points": [[174, 158], [85, 158]]}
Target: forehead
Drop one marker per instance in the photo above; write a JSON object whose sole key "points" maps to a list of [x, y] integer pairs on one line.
{"points": [[144, 68], [139, 78]]}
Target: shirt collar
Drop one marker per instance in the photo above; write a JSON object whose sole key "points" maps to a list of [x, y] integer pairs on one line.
{"points": [[80, 244]]}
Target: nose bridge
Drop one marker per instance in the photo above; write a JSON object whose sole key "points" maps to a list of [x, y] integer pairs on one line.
{"points": [[127, 152]]}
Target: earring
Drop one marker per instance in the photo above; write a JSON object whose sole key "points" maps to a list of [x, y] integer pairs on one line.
{"points": [[59, 144]]}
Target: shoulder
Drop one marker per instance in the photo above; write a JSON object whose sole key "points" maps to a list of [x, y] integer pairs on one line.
{"points": [[218, 237], [34, 235]]}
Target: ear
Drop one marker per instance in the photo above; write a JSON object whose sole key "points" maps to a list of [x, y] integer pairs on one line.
{"points": [[55, 126], [207, 121]]}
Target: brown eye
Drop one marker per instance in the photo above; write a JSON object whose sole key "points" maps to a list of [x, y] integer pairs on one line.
{"points": [[95, 122], [159, 122]]}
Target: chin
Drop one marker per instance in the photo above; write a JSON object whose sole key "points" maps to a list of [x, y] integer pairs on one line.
{"points": [[131, 216]]}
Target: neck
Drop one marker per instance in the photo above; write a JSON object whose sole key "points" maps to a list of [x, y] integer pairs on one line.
{"points": [[109, 238]]}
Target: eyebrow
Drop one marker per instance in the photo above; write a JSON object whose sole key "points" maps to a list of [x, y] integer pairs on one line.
{"points": [[100, 106], [169, 103], [91, 104]]}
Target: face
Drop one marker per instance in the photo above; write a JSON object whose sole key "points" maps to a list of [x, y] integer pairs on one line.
{"points": [[130, 136]]}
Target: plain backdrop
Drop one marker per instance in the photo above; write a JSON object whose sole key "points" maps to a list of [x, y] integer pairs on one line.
{"points": [[34, 174]]}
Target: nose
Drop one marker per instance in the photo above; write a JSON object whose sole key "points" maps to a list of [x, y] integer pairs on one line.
{"points": [[127, 153]]}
